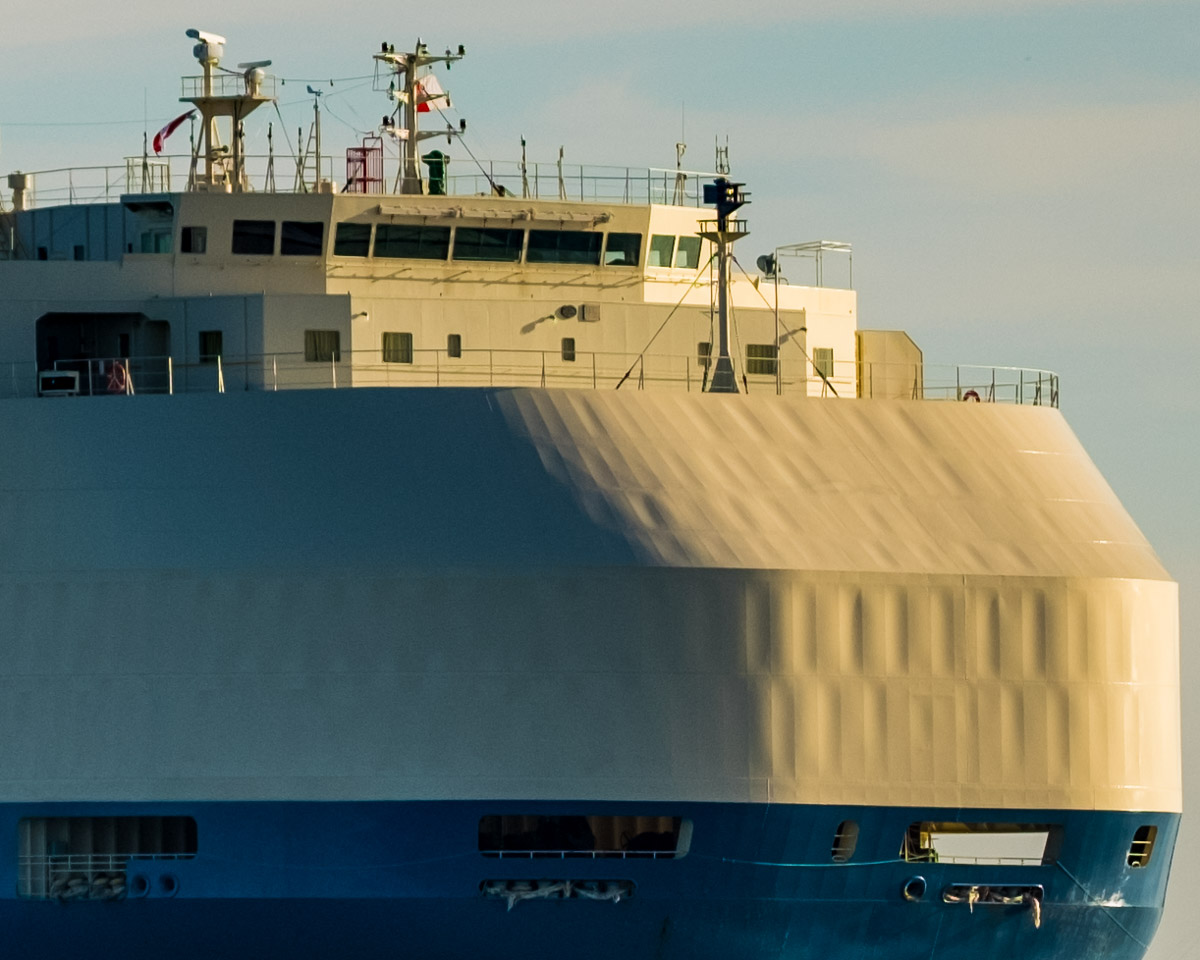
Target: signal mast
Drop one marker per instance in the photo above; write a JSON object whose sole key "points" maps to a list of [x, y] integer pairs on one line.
{"points": [[412, 87]]}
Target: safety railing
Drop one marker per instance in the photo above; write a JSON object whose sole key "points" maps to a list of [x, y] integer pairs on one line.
{"points": [[79, 876], [544, 369], [170, 173]]}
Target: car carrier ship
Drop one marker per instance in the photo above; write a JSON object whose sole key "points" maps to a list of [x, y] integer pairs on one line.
{"points": [[416, 564]]}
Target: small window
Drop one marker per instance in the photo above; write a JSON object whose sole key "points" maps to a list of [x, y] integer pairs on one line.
{"points": [[254, 237], [822, 359], [623, 250], [704, 353], [454, 344], [193, 240], [322, 346], [301, 238], [568, 349], [397, 348], [79, 252], [661, 248], [210, 346], [498, 245], [156, 241], [845, 840], [1142, 847], [687, 255], [562, 246], [44, 254], [352, 240], [412, 243], [760, 358]]}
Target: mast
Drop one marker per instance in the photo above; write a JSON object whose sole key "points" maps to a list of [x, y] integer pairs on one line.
{"points": [[728, 197], [410, 88]]}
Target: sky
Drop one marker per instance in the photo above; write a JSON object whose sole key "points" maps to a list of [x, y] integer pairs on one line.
{"points": [[1020, 178]]}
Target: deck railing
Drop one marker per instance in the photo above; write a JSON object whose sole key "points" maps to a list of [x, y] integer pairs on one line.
{"points": [[548, 369]]}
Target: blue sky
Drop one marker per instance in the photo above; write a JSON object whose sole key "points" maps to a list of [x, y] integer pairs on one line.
{"points": [[1020, 179]]}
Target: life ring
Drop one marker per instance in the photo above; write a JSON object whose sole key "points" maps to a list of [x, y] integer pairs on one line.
{"points": [[118, 378], [969, 395]]}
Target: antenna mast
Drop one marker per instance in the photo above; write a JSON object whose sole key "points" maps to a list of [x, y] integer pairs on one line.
{"points": [[728, 197], [414, 88]]}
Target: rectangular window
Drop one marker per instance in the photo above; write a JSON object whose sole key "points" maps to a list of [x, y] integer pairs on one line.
{"points": [[411, 242], [210, 346], [193, 240], [397, 348], [983, 843], [687, 256], [301, 238], [822, 358], [494, 244], [568, 349], [322, 346], [704, 353], [156, 241], [760, 358], [561, 246], [454, 344], [254, 237], [80, 253], [591, 837], [623, 250], [661, 248], [87, 858], [352, 240]]}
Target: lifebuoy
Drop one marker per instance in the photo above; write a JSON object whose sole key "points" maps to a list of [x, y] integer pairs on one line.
{"points": [[118, 378], [971, 395]]}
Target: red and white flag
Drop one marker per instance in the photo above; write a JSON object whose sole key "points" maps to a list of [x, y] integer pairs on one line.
{"points": [[428, 89], [170, 128]]}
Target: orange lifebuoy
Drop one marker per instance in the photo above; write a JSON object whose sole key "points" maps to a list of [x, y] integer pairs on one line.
{"points": [[118, 378], [971, 395]]}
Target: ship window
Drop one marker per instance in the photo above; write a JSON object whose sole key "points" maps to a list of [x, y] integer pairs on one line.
{"points": [[760, 358], [568, 349], [845, 840], [488, 243], [454, 344], [412, 243], [623, 250], [704, 353], [1018, 844], [688, 253], [156, 241], [254, 237], [322, 346], [352, 240], [193, 240], [301, 238], [560, 246], [210, 345], [397, 348], [587, 837], [44, 254], [822, 360], [79, 251], [87, 858], [661, 248], [1142, 847]]}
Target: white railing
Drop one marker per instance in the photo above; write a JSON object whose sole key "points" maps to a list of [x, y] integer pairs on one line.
{"points": [[80, 876], [539, 369]]}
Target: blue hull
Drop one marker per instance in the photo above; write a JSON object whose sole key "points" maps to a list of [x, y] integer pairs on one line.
{"points": [[367, 880]]}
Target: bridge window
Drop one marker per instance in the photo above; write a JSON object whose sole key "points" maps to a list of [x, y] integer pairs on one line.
{"points": [[254, 237], [410, 242], [1142, 847], [397, 348], [661, 248], [562, 246], [322, 346], [210, 345], [623, 250], [587, 837], [494, 244], [352, 240], [193, 240], [568, 349], [704, 353], [687, 255], [454, 344], [301, 238], [822, 360], [760, 358]]}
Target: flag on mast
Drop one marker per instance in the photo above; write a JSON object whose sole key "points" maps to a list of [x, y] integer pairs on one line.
{"points": [[170, 128], [428, 89]]}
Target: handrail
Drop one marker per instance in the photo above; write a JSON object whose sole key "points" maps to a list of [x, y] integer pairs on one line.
{"points": [[545, 369]]}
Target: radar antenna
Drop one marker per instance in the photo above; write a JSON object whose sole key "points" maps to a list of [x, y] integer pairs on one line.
{"points": [[414, 89]]}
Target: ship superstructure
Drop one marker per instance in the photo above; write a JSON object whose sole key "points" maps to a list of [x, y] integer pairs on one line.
{"points": [[681, 621]]}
